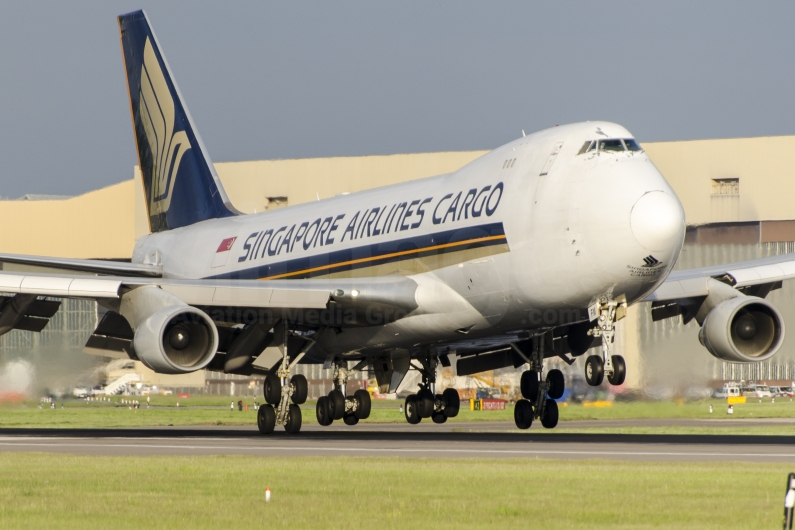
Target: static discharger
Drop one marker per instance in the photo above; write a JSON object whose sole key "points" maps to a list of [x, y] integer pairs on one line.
{"points": [[268, 496]]}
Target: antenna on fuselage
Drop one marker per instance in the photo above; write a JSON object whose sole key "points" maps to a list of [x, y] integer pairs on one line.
{"points": [[523, 134]]}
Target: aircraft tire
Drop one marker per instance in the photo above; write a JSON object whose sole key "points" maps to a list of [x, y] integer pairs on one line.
{"points": [[550, 417], [300, 389], [336, 405], [266, 419], [523, 414], [293, 424], [439, 417], [619, 371], [350, 419], [594, 370], [425, 403], [452, 402], [529, 385], [272, 388], [321, 411], [556, 384], [362, 397], [410, 410]]}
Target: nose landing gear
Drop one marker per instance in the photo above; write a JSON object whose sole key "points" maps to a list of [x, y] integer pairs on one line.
{"points": [[613, 366]]}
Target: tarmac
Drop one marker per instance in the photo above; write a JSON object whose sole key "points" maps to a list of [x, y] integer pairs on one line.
{"points": [[427, 440]]}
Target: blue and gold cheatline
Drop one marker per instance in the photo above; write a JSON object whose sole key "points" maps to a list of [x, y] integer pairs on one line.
{"points": [[440, 243]]}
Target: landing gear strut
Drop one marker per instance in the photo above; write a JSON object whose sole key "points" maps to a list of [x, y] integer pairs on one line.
{"points": [[426, 403], [613, 366], [279, 392], [539, 393], [338, 406]]}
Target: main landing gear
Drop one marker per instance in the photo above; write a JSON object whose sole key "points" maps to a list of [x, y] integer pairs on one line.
{"points": [[279, 409], [279, 393], [596, 367], [427, 404], [338, 406], [539, 392]]}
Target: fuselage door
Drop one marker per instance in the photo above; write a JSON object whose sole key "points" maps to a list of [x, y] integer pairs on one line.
{"points": [[551, 160]]}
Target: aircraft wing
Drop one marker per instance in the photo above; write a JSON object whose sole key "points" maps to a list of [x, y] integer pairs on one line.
{"points": [[356, 297], [759, 275], [86, 265]]}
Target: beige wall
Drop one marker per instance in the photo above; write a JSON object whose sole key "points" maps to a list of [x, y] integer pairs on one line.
{"points": [[97, 224], [764, 166], [248, 184]]}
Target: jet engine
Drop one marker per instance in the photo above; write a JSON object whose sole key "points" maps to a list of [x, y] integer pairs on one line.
{"points": [[170, 336], [176, 340], [742, 329]]}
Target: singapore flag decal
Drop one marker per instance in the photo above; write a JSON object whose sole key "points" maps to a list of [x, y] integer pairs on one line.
{"points": [[219, 260]]}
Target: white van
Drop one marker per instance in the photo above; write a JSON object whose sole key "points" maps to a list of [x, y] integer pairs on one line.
{"points": [[727, 391], [761, 391]]}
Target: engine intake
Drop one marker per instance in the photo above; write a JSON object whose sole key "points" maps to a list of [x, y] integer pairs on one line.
{"points": [[176, 340], [742, 329]]}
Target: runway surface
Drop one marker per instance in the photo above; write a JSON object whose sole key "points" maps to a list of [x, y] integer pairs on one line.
{"points": [[427, 440]]}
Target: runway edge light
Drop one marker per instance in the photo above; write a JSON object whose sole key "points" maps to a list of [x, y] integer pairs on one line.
{"points": [[789, 502], [268, 495]]}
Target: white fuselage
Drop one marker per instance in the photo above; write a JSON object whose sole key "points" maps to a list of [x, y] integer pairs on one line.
{"points": [[522, 238]]}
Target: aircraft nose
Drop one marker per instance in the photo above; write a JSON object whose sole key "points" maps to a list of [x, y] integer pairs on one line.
{"points": [[658, 221]]}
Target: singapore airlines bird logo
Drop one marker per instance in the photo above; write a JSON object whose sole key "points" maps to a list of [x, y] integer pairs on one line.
{"points": [[156, 108]]}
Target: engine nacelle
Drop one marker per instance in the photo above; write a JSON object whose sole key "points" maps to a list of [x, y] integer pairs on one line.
{"points": [[742, 329], [176, 340]]}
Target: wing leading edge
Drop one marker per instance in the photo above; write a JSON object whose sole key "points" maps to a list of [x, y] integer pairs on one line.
{"points": [[96, 266]]}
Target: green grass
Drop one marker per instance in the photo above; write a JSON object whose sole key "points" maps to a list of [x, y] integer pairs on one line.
{"points": [[65, 491], [214, 410]]}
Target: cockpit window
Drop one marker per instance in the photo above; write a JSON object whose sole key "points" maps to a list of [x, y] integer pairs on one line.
{"points": [[611, 145], [615, 145], [631, 144]]}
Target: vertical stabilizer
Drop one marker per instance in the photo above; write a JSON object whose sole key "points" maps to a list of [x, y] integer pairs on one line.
{"points": [[180, 182]]}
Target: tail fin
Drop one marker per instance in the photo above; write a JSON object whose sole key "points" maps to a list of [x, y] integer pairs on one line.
{"points": [[180, 182]]}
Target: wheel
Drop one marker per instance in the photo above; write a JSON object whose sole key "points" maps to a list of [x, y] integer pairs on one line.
{"points": [[350, 419], [594, 370], [272, 389], [619, 371], [555, 384], [321, 410], [410, 410], [523, 414], [362, 398], [266, 419], [293, 424], [529, 385], [452, 402], [336, 405], [550, 417], [439, 417], [300, 389], [425, 402]]}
